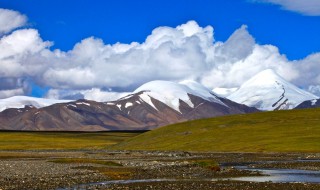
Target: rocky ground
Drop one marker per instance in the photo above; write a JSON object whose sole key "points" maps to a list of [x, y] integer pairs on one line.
{"points": [[147, 170]]}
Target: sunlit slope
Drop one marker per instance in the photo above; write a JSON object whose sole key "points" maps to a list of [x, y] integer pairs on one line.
{"points": [[278, 131]]}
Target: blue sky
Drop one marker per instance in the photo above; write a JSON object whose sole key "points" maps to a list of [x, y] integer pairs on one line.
{"points": [[291, 28], [66, 22]]}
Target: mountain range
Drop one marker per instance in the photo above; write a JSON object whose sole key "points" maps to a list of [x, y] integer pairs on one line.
{"points": [[154, 104]]}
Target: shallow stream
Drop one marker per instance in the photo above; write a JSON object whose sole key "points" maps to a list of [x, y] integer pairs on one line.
{"points": [[269, 175]]}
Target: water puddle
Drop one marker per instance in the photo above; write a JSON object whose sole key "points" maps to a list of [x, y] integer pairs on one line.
{"points": [[282, 176]]}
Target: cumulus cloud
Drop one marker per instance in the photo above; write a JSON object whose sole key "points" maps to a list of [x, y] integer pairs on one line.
{"points": [[91, 94], [305, 7], [10, 20], [20, 58], [309, 70], [185, 52], [16, 49], [168, 54], [13, 87]]}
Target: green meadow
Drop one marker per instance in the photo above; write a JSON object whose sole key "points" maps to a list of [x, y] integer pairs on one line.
{"points": [[278, 131], [61, 140]]}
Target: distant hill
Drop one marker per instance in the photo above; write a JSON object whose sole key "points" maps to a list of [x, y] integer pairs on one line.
{"points": [[22, 101], [315, 103], [277, 131]]}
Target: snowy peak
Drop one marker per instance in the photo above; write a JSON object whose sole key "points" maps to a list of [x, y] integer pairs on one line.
{"points": [[266, 78], [170, 93], [22, 101], [269, 91]]}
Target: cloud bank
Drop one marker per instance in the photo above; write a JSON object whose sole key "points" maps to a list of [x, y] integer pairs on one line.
{"points": [[305, 7], [10, 20], [95, 70]]}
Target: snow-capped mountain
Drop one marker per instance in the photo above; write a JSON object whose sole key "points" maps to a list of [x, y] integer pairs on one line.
{"points": [[154, 104], [170, 93], [22, 101], [268, 91]]}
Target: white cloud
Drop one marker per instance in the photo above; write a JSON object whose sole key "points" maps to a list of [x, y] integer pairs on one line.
{"points": [[239, 45], [187, 51], [10, 20], [11, 92], [308, 68], [305, 7], [168, 53], [20, 58], [15, 51], [314, 89], [103, 96], [91, 94], [13, 87]]}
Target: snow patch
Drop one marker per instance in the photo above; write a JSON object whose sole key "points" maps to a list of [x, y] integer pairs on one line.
{"points": [[313, 102], [83, 103], [128, 104], [119, 106], [146, 98], [126, 97]]}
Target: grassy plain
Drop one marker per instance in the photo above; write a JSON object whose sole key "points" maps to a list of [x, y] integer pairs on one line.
{"points": [[61, 140], [278, 131]]}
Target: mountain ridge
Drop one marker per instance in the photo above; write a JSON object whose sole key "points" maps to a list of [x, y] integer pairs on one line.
{"points": [[143, 110]]}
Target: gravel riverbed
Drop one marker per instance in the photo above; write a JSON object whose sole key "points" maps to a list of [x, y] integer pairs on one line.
{"points": [[39, 170]]}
